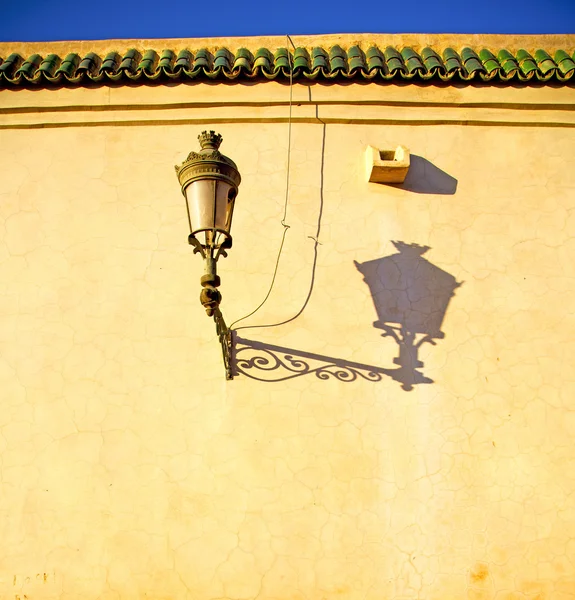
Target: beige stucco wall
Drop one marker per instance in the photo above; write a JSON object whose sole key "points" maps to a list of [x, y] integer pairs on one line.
{"points": [[130, 468]]}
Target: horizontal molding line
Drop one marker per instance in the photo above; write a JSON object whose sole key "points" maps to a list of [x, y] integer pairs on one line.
{"points": [[306, 120], [189, 105]]}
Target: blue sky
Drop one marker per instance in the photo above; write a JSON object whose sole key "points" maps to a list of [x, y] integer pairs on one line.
{"points": [[36, 20]]}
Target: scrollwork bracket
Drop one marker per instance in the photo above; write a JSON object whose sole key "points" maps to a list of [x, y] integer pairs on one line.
{"points": [[226, 342]]}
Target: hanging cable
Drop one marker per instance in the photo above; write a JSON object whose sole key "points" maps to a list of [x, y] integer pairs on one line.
{"points": [[314, 238], [315, 247], [283, 221]]}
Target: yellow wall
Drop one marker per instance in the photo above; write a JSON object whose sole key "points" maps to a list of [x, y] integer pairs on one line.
{"points": [[130, 468]]}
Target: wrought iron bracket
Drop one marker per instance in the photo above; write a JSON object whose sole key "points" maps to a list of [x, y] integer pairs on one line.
{"points": [[226, 342]]}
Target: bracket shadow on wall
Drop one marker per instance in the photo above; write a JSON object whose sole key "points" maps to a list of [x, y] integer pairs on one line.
{"points": [[410, 296]]}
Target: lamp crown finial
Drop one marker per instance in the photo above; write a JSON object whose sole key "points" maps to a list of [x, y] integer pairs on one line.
{"points": [[210, 139]]}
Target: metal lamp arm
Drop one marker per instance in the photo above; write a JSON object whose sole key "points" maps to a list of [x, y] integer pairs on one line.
{"points": [[225, 337]]}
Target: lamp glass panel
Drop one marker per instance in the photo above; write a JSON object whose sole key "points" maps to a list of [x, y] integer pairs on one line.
{"points": [[223, 190], [208, 202]]}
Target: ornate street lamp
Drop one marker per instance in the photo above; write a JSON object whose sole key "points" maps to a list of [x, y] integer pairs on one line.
{"points": [[210, 183]]}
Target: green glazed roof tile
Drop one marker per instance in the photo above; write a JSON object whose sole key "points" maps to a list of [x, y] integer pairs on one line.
{"points": [[264, 60], [10, 64], [319, 59], [526, 62], [30, 66], [432, 61], [89, 64], [166, 60], [564, 62], [544, 62], [111, 62], [49, 65], [184, 60], [375, 59], [489, 61], [413, 61], [69, 65], [223, 59], [394, 60], [282, 60], [148, 62], [508, 62], [203, 61], [489, 65], [130, 61], [356, 59], [472, 62], [301, 60], [243, 60], [337, 60], [452, 61]]}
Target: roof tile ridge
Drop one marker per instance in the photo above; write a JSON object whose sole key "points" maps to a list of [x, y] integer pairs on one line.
{"points": [[416, 41]]}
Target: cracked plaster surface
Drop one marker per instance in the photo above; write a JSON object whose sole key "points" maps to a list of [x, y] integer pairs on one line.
{"points": [[130, 468]]}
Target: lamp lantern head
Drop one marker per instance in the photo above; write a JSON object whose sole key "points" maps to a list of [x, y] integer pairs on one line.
{"points": [[209, 182]]}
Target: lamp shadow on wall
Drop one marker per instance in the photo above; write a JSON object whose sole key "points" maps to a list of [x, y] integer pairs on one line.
{"points": [[410, 297]]}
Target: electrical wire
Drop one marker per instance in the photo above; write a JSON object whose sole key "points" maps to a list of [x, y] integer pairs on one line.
{"points": [[286, 201], [315, 247]]}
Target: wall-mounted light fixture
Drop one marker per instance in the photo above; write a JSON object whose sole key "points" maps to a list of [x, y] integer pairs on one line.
{"points": [[210, 183]]}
